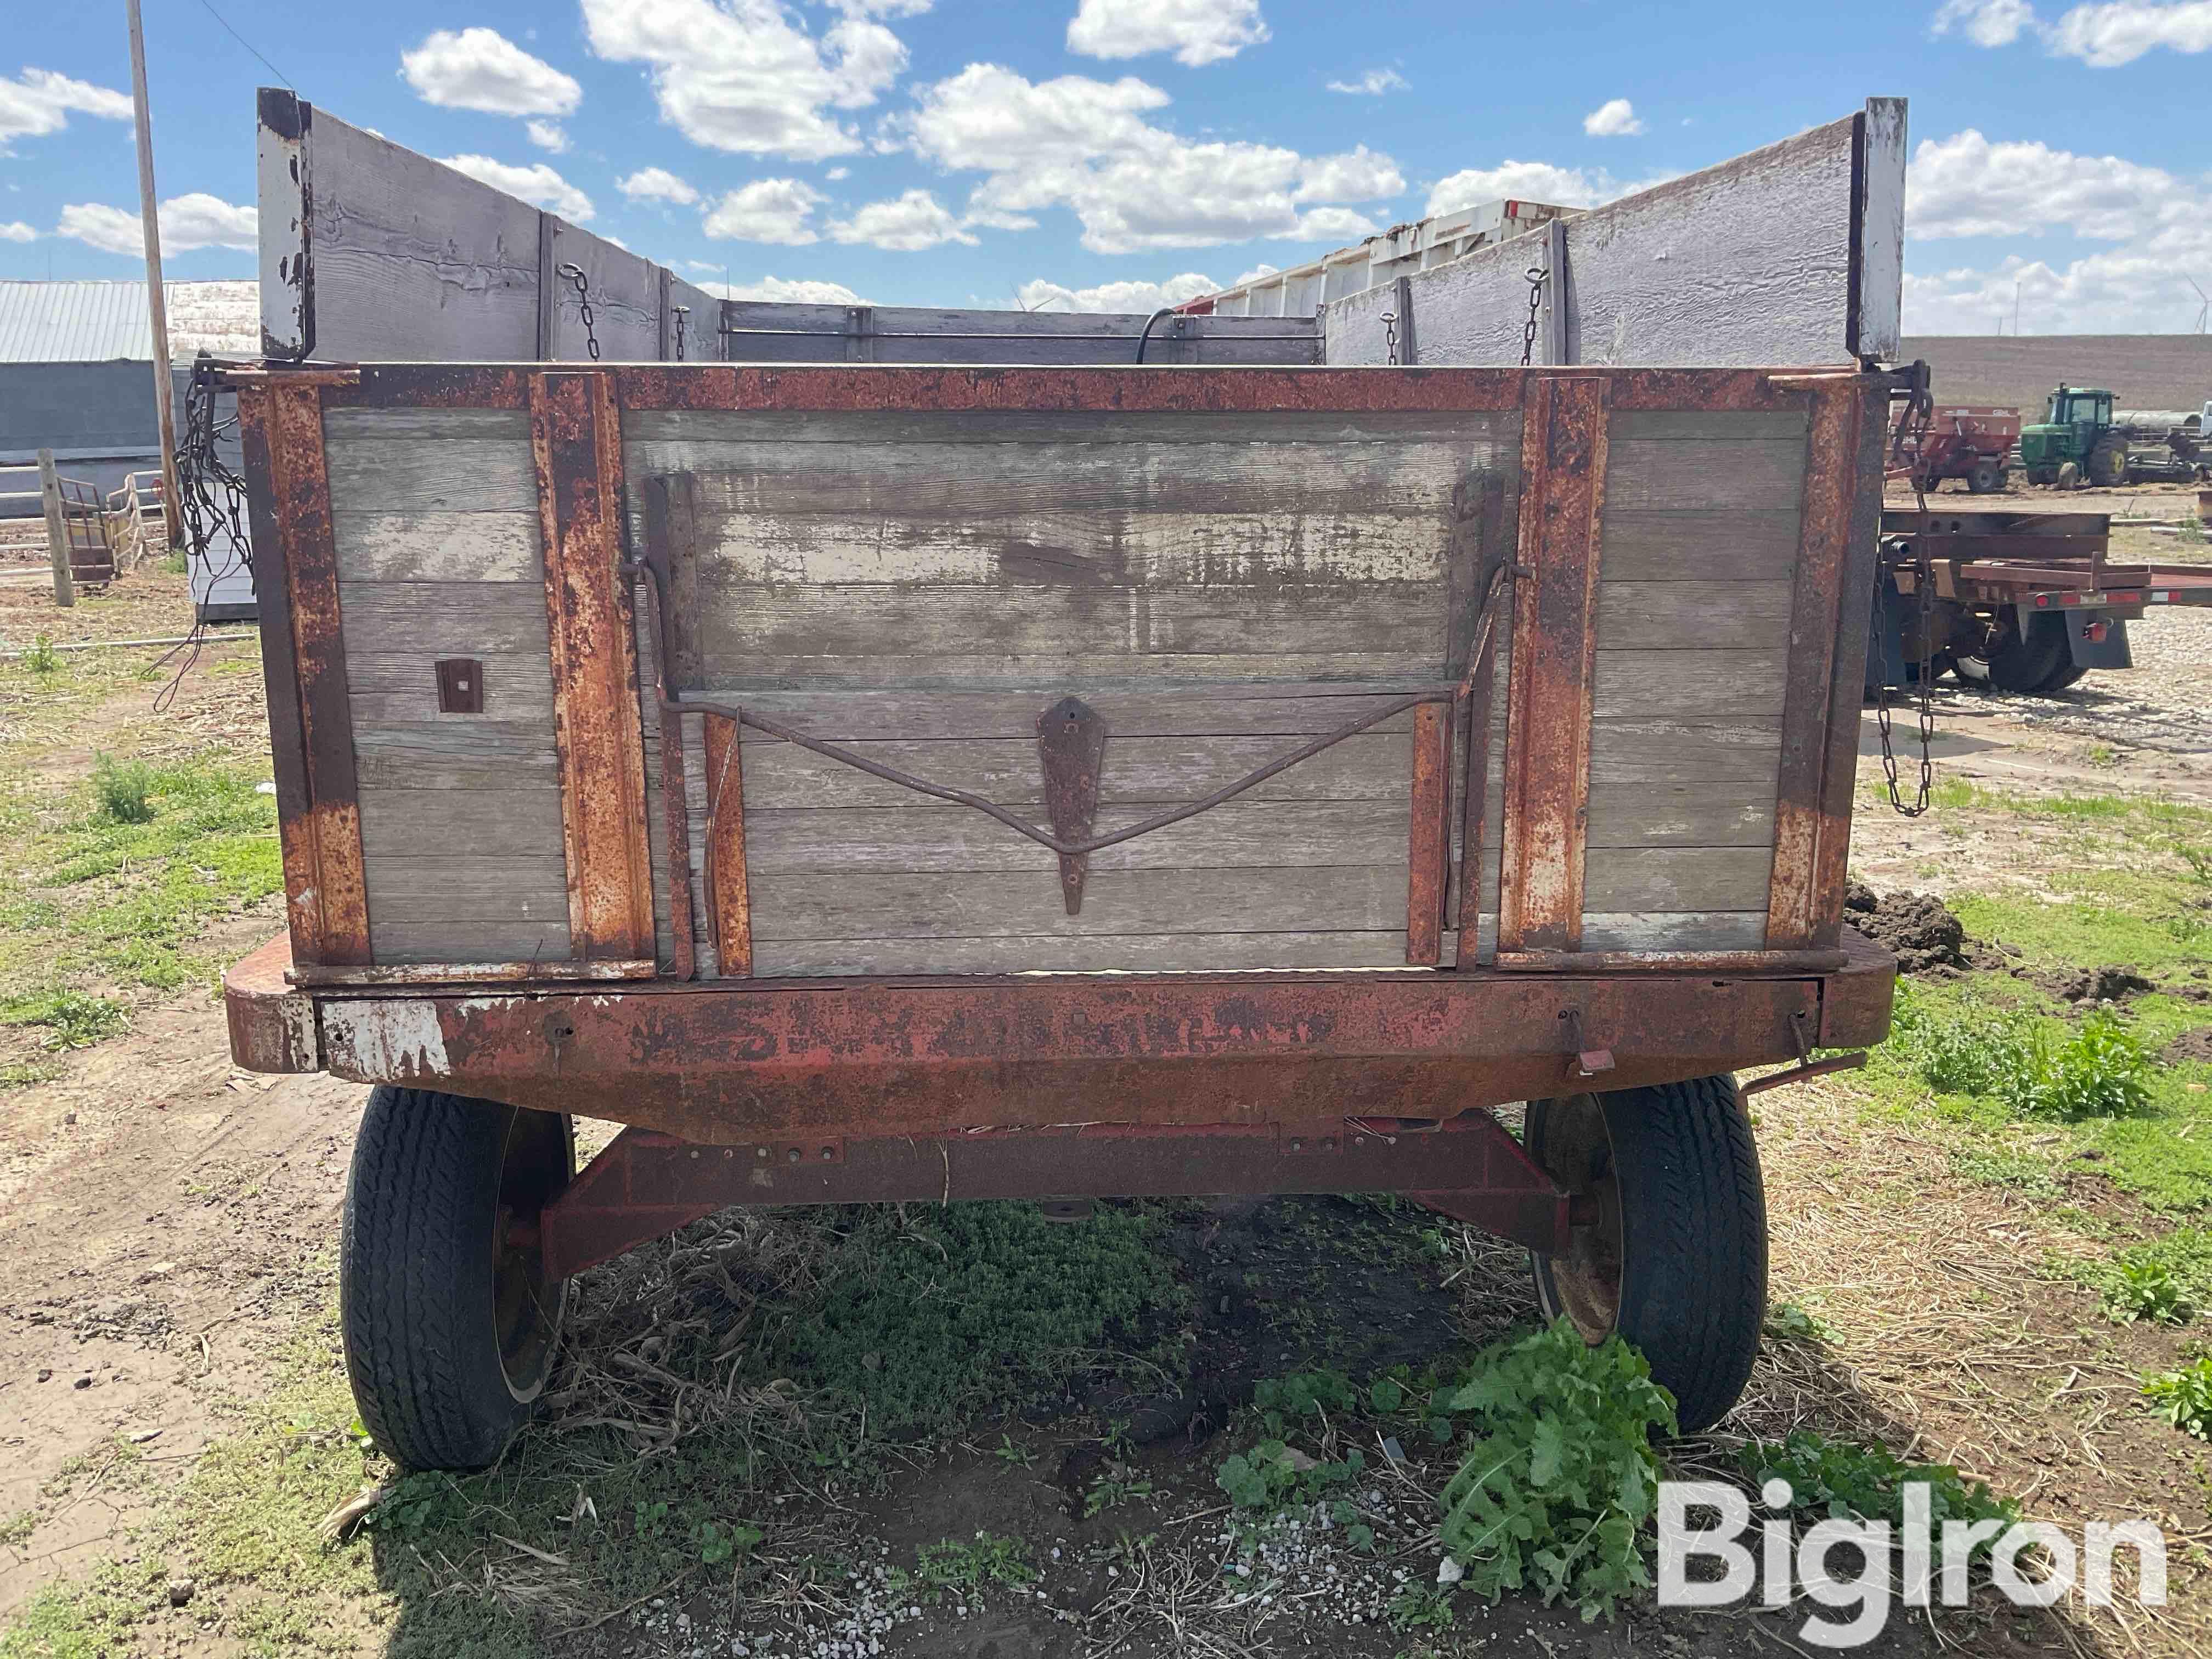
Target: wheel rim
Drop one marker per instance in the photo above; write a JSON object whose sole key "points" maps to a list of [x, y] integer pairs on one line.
{"points": [[527, 1303], [1578, 1153]]}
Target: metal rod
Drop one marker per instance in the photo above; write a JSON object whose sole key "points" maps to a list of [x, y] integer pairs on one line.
{"points": [[821, 334], [157, 299], [1045, 838]]}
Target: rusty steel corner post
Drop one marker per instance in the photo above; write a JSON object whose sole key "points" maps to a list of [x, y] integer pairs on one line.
{"points": [[295, 583], [1429, 839], [1836, 551], [729, 902], [1553, 661], [575, 443]]}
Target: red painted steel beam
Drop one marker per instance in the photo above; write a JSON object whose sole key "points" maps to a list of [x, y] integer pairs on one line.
{"points": [[645, 1184]]}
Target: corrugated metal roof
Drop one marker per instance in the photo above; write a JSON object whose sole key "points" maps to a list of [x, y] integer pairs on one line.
{"points": [[102, 322]]}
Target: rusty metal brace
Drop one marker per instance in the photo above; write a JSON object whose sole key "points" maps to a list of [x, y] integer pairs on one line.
{"points": [[1807, 1067]]}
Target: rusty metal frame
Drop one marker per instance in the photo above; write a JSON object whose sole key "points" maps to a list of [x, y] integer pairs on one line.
{"points": [[729, 894], [575, 442], [1548, 743], [1428, 852], [303, 659], [645, 1184]]}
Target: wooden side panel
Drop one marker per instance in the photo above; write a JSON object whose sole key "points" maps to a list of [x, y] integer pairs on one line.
{"points": [[576, 447], [769, 332], [1548, 742], [318, 797]]}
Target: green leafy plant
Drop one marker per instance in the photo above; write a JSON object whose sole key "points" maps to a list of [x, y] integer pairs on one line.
{"points": [[42, 659], [2146, 1290], [2012, 1056], [964, 1568], [718, 1544], [1418, 1608], [1838, 1479], [72, 1019], [124, 789], [1008, 1452], [1302, 1400], [2184, 1397], [1272, 1476], [1788, 1323], [1554, 1491], [1118, 1485]]}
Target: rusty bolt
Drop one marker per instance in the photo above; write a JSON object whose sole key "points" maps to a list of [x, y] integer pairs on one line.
{"points": [[794, 1155], [1298, 1146]]}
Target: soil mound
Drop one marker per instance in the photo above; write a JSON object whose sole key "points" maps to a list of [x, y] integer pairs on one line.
{"points": [[1924, 936]]}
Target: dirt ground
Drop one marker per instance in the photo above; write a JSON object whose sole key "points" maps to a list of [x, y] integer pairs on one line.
{"points": [[167, 1228]]}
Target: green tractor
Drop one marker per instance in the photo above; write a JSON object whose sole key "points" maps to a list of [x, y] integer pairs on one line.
{"points": [[2075, 443]]}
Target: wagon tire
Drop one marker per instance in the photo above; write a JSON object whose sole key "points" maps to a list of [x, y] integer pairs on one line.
{"points": [[2023, 665], [1985, 477], [1676, 1260], [450, 1321]]}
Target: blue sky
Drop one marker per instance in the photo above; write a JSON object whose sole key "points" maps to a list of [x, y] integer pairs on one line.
{"points": [[1117, 150]]}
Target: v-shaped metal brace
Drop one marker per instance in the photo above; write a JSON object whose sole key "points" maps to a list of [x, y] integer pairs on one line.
{"points": [[1071, 742]]}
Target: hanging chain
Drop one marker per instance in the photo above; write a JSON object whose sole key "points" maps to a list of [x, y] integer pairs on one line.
{"points": [[1912, 435], [1391, 334], [1538, 275], [681, 311], [210, 510], [574, 273]]}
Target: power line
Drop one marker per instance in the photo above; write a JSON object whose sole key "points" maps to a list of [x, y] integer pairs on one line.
{"points": [[249, 45]]}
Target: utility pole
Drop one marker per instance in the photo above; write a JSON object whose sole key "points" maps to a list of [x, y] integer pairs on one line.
{"points": [[157, 298]]}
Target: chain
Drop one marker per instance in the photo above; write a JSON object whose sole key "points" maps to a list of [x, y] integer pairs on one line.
{"points": [[209, 508], [574, 273], [681, 311], [1918, 415], [1391, 334], [1538, 275]]}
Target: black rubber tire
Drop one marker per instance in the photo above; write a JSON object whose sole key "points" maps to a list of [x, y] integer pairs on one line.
{"points": [[2023, 666], [2107, 464], [1693, 1216], [2061, 677], [442, 1377], [1985, 477]]}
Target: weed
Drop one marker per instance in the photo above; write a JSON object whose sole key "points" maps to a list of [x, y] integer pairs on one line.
{"points": [[23, 1073], [1839, 1480], [1273, 1476], [1119, 1485], [1788, 1323], [124, 789], [964, 1569], [1302, 1400], [1993, 1166], [72, 1019], [42, 659], [1418, 1608], [2146, 1290], [1555, 1490], [17, 1528], [717, 1544], [172, 564], [2020, 1058], [1008, 1452], [2184, 1397]]}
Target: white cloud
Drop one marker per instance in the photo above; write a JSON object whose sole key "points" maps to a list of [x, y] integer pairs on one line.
{"points": [[1966, 185], [1085, 145], [794, 291], [1329, 224], [17, 231], [481, 68], [1614, 118], [537, 184], [40, 101], [767, 210], [1198, 31], [879, 7], [913, 221], [1263, 268], [745, 76], [658, 184], [547, 135], [2108, 35], [1526, 181], [1985, 22], [1372, 84], [1117, 296], [189, 223]]}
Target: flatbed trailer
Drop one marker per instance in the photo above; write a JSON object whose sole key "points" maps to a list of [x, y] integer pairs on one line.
{"points": [[2025, 602]]}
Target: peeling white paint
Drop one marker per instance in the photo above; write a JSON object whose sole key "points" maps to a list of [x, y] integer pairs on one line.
{"points": [[386, 1041], [489, 1005]]}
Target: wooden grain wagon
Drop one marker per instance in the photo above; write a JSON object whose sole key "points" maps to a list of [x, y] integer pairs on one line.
{"points": [[875, 780]]}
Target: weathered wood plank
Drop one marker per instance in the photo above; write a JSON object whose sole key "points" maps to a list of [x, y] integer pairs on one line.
{"points": [[407, 476], [472, 941], [645, 428], [438, 547], [1102, 550], [1739, 930], [431, 824], [1700, 544], [1229, 710], [347, 427], [1714, 813], [1619, 879], [1065, 672], [1704, 427], [1684, 751], [1133, 953], [910, 904], [403, 685], [1240, 834], [1688, 684], [1701, 617], [447, 619], [1650, 473], [1372, 766], [457, 754], [1401, 623], [464, 887]]}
